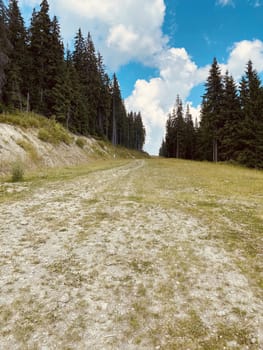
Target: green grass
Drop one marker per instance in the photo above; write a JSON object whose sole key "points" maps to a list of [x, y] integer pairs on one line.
{"points": [[49, 130], [227, 199], [34, 179]]}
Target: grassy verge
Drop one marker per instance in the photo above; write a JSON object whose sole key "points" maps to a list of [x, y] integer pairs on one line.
{"points": [[227, 199], [33, 180]]}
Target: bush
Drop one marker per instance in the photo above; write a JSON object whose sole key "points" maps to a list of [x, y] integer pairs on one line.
{"points": [[17, 172], [44, 135], [80, 142]]}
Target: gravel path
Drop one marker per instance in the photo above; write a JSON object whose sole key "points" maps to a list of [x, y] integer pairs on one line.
{"points": [[88, 264]]}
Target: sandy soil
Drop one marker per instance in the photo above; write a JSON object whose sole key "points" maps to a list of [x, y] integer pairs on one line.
{"points": [[87, 264], [42, 153]]}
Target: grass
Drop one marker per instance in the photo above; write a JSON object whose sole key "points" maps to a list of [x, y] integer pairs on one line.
{"points": [[34, 179], [161, 269], [226, 198], [17, 172], [29, 148]]}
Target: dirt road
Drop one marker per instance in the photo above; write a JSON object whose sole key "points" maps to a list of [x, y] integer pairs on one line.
{"points": [[91, 264]]}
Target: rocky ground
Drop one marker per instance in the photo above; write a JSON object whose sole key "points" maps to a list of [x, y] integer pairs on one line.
{"points": [[91, 264]]}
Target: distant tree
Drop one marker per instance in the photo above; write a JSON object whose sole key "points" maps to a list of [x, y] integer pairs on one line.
{"points": [[163, 149], [190, 135]]}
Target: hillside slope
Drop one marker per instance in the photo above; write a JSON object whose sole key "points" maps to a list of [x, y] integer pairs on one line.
{"points": [[50, 145]]}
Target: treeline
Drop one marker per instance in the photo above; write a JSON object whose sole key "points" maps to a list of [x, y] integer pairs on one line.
{"points": [[231, 124], [36, 74]]}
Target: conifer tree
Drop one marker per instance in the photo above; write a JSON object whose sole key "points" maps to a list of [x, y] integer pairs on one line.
{"points": [[4, 44], [79, 62], [231, 120], [211, 121], [116, 110], [175, 138], [189, 137], [104, 100], [39, 50], [251, 153], [92, 85], [14, 89], [57, 80]]}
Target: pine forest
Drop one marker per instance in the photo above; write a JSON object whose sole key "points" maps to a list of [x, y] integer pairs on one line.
{"points": [[38, 74], [231, 123]]}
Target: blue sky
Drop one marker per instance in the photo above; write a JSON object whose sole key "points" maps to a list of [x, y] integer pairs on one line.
{"points": [[161, 48]]}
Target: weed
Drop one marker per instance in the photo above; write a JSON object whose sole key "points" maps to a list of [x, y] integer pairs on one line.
{"points": [[17, 172], [80, 142]]}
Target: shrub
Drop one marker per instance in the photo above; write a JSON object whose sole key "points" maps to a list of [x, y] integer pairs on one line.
{"points": [[44, 135], [80, 142], [29, 148], [17, 172]]}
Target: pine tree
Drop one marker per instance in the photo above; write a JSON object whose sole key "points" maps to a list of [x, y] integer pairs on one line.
{"points": [[4, 44], [211, 121], [179, 127], [140, 132], [80, 105], [56, 98], [163, 149], [175, 139], [104, 100], [170, 135], [116, 110], [251, 98], [15, 89], [231, 119], [39, 50], [92, 85], [190, 136]]}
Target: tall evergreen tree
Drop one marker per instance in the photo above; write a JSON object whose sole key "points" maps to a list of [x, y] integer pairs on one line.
{"points": [[40, 51], [57, 80], [211, 121], [79, 62], [190, 135], [175, 139], [4, 44], [16, 71], [251, 98], [231, 120], [116, 110], [104, 100]]}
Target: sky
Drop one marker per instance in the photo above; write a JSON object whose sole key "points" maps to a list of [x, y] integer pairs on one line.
{"points": [[162, 48]]}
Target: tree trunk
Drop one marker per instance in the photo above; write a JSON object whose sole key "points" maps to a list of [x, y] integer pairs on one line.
{"points": [[215, 150]]}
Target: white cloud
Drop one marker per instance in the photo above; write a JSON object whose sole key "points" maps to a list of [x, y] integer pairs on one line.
{"points": [[131, 30], [122, 30], [154, 98], [178, 75], [241, 53]]}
